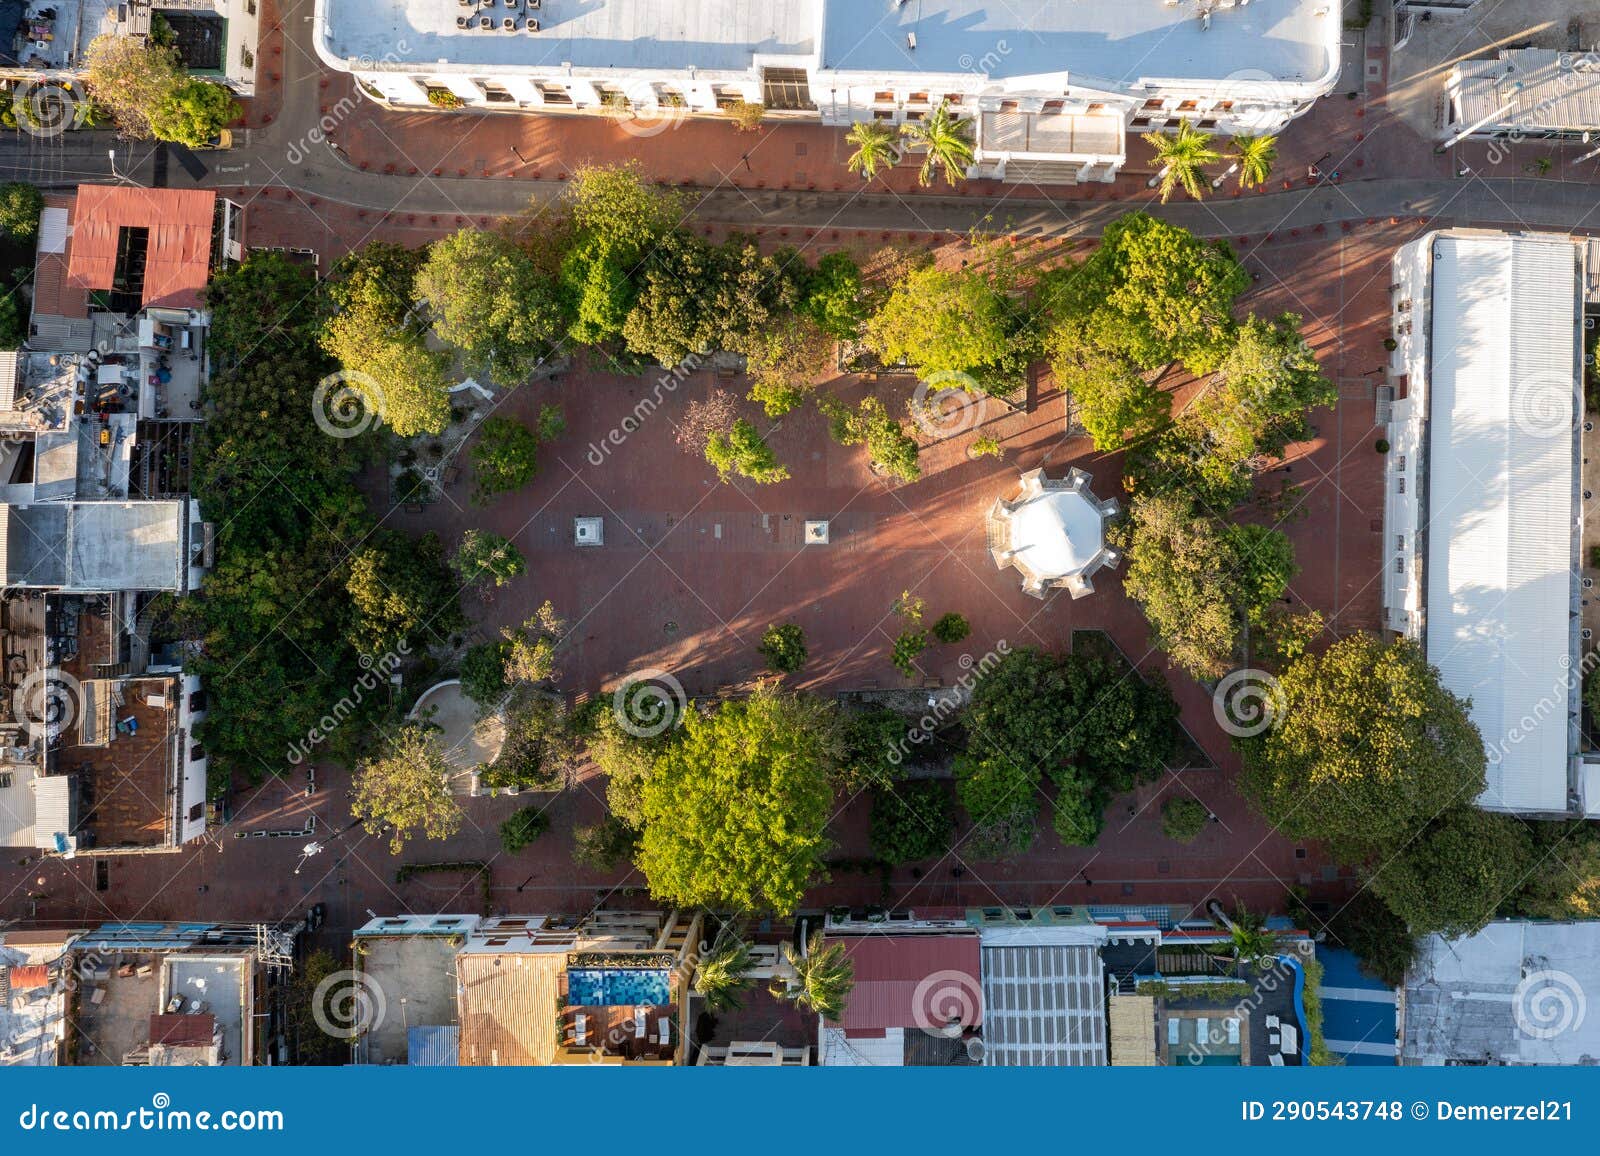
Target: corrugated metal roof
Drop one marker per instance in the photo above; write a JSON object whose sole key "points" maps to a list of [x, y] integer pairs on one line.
{"points": [[1044, 1006], [178, 260], [434, 1047], [1502, 503], [55, 809], [508, 1007], [53, 222], [905, 981], [183, 1031], [1543, 88]]}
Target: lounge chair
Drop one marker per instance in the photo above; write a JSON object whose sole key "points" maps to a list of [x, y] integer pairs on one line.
{"points": [[1291, 1040], [1272, 1023], [580, 1029], [664, 1032], [638, 1022], [1233, 1030], [1202, 1031], [1274, 1039], [1174, 1031], [1275, 1060]]}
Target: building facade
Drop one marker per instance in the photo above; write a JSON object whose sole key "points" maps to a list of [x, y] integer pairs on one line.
{"points": [[1051, 91]]}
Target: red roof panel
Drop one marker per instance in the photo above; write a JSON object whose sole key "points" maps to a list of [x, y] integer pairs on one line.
{"points": [[183, 1031], [178, 261], [896, 974]]}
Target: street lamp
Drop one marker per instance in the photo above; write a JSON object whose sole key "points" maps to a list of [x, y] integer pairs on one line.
{"points": [[1158, 178], [1226, 173]]}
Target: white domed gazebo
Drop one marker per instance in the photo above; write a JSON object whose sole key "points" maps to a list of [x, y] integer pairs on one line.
{"points": [[1054, 533]]}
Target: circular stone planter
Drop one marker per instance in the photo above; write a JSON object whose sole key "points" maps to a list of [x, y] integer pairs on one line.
{"points": [[469, 742]]}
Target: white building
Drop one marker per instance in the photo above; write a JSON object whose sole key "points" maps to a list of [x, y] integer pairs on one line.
{"points": [[1052, 86], [1536, 93], [1482, 515], [1053, 533]]}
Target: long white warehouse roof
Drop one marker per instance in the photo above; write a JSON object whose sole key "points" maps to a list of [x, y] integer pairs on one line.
{"points": [[1502, 501]]}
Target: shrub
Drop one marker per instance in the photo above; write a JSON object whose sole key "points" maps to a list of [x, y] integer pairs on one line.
{"points": [[483, 672], [605, 846], [784, 648], [505, 458], [872, 739], [746, 117], [1183, 818], [906, 648], [20, 206], [951, 627], [985, 446], [523, 828], [444, 98], [912, 821]]}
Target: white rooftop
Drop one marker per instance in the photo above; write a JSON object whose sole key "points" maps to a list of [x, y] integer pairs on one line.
{"points": [[1115, 40], [1118, 40], [1502, 502], [1514, 993]]}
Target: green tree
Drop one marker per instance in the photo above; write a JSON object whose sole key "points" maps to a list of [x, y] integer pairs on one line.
{"points": [[1255, 156], [401, 594], [194, 112], [872, 147], [313, 1045], [1380, 939], [486, 557], [833, 296], [784, 362], [734, 809], [1112, 399], [723, 975], [131, 78], [20, 206], [1367, 747], [784, 647], [617, 216], [541, 751], [912, 821], [1183, 157], [405, 791], [1252, 943], [907, 647], [945, 142], [822, 977], [1000, 797], [1566, 884], [890, 448], [1151, 293], [266, 305], [951, 628], [1454, 875], [875, 746], [523, 828], [505, 457], [483, 672], [948, 322], [13, 332], [1183, 818], [743, 451], [376, 334], [491, 302], [1199, 581], [606, 845]]}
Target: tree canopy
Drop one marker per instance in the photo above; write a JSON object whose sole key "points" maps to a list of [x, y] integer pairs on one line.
{"points": [[1367, 748], [404, 790], [193, 112], [133, 79], [734, 808], [492, 303], [1456, 874], [20, 206], [944, 321]]}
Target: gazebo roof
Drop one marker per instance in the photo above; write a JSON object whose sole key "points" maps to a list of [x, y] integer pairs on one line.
{"points": [[1053, 532]]}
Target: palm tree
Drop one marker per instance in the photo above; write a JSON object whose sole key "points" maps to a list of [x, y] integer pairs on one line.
{"points": [[948, 142], [1183, 156], [1252, 942], [823, 977], [874, 144], [722, 977], [1255, 156]]}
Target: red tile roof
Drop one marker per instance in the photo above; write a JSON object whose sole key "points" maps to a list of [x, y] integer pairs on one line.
{"points": [[897, 973], [179, 257], [183, 1031], [29, 977]]}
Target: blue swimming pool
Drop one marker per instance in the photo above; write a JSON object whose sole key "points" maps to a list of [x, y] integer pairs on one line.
{"points": [[617, 987]]}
